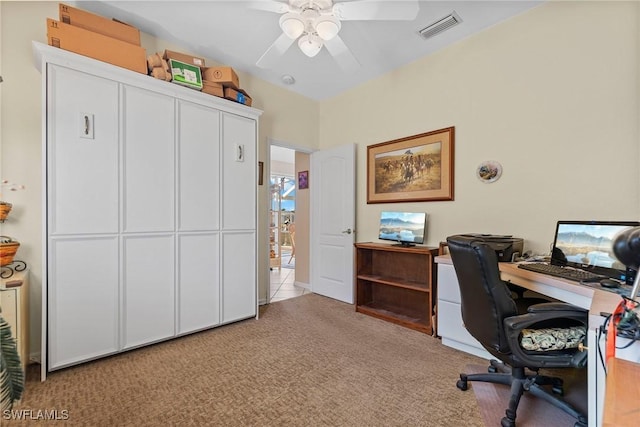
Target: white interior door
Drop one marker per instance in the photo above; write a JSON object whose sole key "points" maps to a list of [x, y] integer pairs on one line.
{"points": [[332, 185]]}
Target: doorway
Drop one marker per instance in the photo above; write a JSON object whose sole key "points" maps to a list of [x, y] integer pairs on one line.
{"points": [[288, 225]]}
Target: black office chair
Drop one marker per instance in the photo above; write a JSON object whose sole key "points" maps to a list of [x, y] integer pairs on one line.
{"points": [[491, 316]]}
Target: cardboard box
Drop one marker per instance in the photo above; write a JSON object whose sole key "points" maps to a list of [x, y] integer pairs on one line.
{"points": [[185, 74], [224, 75], [98, 24], [154, 60], [161, 73], [96, 46], [239, 96], [213, 88], [183, 57]]}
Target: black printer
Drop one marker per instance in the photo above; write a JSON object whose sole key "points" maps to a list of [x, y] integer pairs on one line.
{"points": [[508, 248]]}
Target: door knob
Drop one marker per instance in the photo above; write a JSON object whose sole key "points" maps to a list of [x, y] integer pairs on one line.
{"points": [[348, 231]]}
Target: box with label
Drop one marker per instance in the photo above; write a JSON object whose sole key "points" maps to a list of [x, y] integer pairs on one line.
{"points": [[224, 75], [98, 24], [213, 88], [239, 96], [183, 57], [185, 74], [96, 46]]}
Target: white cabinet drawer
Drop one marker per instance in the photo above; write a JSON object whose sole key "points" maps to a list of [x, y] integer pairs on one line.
{"points": [[450, 324], [448, 283]]}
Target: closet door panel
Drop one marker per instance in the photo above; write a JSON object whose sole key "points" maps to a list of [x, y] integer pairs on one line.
{"points": [[239, 174], [148, 141], [239, 276], [82, 153], [199, 167], [149, 291], [83, 299], [199, 281]]}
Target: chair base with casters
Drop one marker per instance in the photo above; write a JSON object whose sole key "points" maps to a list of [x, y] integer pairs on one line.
{"points": [[520, 382]]}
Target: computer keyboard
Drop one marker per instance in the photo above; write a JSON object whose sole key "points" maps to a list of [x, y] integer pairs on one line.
{"points": [[563, 272]]}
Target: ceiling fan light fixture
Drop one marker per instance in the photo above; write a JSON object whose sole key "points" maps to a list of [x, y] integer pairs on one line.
{"points": [[327, 27], [310, 44], [292, 25]]}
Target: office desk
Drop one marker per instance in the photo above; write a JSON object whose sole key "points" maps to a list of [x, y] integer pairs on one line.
{"points": [[595, 300], [589, 298]]}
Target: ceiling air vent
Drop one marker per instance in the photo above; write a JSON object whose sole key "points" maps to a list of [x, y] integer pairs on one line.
{"points": [[440, 25]]}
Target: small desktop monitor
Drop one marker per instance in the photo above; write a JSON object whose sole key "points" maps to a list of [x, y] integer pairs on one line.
{"points": [[405, 228], [588, 245]]}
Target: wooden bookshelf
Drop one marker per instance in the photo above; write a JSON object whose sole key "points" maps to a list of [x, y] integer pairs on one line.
{"points": [[396, 284]]}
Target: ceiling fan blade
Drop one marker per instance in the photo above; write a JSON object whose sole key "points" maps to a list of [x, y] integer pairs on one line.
{"points": [[370, 10], [270, 6], [342, 54], [277, 49]]}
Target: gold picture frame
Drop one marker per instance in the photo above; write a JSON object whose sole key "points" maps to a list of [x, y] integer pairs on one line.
{"points": [[417, 168]]}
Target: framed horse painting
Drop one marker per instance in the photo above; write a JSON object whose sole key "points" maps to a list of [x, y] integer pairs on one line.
{"points": [[417, 168]]}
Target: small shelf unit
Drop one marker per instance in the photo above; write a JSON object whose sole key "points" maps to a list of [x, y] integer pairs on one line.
{"points": [[396, 284]]}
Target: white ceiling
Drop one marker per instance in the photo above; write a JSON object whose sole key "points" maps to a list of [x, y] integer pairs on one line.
{"points": [[235, 34]]}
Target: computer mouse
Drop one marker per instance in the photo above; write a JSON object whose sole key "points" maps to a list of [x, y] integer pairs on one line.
{"points": [[609, 283]]}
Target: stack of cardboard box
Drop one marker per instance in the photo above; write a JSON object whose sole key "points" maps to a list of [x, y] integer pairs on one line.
{"points": [[96, 37], [224, 81], [118, 43]]}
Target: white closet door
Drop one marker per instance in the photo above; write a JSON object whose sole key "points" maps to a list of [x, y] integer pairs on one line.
{"points": [[82, 153], [83, 299], [199, 281], [199, 168], [239, 166], [148, 140], [149, 292], [239, 276]]}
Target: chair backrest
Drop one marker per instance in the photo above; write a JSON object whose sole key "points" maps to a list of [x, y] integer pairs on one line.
{"points": [[485, 298]]}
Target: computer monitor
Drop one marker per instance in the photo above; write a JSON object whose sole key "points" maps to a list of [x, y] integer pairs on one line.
{"points": [[588, 245], [406, 228]]}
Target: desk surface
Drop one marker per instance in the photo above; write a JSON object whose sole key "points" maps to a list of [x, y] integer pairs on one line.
{"points": [[621, 406], [595, 300], [590, 298]]}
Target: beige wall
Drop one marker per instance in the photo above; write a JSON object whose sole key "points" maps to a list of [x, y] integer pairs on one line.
{"points": [[287, 116], [302, 223], [552, 94]]}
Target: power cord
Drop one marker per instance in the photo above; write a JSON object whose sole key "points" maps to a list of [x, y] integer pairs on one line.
{"points": [[602, 331], [627, 326]]}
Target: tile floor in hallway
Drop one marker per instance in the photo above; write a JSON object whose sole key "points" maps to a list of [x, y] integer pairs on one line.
{"points": [[282, 285]]}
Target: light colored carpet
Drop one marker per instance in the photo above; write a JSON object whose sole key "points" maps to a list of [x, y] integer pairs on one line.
{"points": [[308, 361]]}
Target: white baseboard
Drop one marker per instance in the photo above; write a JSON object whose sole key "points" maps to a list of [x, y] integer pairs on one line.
{"points": [[302, 285]]}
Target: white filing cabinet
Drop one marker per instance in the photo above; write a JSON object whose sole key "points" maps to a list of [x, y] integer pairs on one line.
{"points": [[450, 325], [14, 307]]}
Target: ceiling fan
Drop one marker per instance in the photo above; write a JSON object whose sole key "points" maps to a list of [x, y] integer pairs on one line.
{"points": [[316, 23]]}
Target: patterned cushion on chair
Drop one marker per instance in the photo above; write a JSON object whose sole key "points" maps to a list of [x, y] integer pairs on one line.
{"points": [[548, 339]]}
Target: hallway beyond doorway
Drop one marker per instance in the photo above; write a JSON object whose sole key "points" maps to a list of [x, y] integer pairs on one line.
{"points": [[282, 285]]}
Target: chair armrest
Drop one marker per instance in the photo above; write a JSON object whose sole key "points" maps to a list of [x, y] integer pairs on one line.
{"points": [[545, 312], [548, 311], [555, 307]]}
